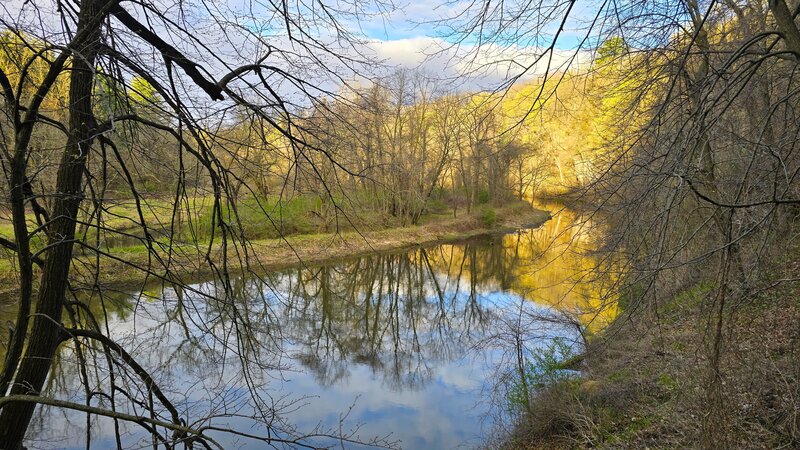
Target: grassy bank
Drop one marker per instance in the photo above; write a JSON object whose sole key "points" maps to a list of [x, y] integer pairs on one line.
{"points": [[121, 265], [645, 380]]}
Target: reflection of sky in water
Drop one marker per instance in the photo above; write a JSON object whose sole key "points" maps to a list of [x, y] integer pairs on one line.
{"points": [[441, 415], [419, 379]]}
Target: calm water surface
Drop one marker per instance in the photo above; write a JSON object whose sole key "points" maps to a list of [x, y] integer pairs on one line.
{"points": [[404, 347]]}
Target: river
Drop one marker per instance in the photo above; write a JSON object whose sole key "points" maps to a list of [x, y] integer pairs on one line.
{"points": [[407, 349]]}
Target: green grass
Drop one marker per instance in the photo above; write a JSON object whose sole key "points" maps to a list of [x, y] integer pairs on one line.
{"points": [[687, 299], [297, 221]]}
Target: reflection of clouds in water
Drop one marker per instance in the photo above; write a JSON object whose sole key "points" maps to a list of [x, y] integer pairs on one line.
{"points": [[441, 416], [459, 376], [398, 332]]}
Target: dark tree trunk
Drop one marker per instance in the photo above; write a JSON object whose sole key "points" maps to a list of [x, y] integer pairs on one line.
{"points": [[46, 330], [786, 25]]}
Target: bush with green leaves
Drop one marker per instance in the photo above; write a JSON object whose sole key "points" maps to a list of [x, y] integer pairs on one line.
{"points": [[488, 217], [544, 367]]}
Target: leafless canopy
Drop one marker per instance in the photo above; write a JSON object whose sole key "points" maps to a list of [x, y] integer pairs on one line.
{"points": [[96, 80]]}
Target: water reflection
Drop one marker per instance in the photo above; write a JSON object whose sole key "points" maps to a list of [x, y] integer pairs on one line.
{"points": [[405, 339]]}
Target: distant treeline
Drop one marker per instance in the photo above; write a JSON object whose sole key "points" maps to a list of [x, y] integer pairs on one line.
{"points": [[399, 148]]}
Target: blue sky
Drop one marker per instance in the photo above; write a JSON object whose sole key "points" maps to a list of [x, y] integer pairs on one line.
{"points": [[411, 37], [404, 37]]}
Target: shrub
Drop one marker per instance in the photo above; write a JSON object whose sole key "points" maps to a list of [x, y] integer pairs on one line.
{"points": [[545, 368], [436, 206], [488, 217]]}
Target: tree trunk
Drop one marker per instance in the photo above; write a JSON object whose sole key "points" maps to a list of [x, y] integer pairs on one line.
{"points": [[786, 25], [45, 334]]}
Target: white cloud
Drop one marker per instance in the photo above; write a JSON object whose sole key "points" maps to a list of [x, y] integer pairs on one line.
{"points": [[407, 52], [470, 66]]}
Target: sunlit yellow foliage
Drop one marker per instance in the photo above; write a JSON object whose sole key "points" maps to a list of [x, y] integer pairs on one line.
{"points": [[552, 265], [22, 56], [570, 119], [143, 92]]}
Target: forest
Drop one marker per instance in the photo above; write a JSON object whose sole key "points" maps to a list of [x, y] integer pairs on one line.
{"points": [[219, 218]]}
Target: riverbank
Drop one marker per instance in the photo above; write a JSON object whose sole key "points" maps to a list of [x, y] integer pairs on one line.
{"points": [[125, 266], [645, 380]]}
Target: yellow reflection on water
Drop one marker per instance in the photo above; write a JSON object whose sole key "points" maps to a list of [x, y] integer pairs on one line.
{"points": [[555, 265]]}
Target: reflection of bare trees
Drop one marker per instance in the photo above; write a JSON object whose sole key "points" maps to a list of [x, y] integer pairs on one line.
{"points": [[391, 312], [402, 315]]}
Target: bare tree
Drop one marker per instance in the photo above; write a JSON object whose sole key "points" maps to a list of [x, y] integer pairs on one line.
{"points": [[700, 178], [200, 60]]}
